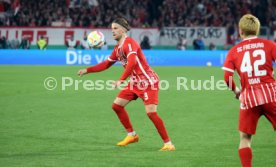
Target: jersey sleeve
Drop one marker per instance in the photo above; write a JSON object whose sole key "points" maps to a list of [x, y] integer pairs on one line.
{"points": [[228, 78], [273, 51], [229, 63], [130, 47], [100, 67], [113, 57], [131, 63]]}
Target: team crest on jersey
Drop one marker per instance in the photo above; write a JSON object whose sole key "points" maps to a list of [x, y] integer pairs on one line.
{"points": [[122, 61], [121, 56]]}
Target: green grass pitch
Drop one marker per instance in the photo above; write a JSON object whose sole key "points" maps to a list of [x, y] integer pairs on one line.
{"points": [[73, 128]]}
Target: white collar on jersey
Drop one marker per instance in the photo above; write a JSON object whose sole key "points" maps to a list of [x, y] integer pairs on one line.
{"points": [[254, 37], [122, 42]]}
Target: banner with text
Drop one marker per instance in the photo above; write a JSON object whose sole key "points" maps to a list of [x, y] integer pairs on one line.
{"points": [[215, 35], [58, 36], [86, 57]]}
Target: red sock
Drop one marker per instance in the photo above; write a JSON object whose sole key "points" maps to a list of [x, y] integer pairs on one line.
{"points": [[246, 156], [123, 116], [159, 124]]}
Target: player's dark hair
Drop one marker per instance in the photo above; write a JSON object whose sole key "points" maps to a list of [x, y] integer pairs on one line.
{"points": [[123, 22]]}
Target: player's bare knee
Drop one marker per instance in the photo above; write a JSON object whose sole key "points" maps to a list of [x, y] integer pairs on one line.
{"points": [[245, 136], [151, 108], [120, 102]]}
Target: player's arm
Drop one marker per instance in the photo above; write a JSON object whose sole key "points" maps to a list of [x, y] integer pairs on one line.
{"points": [[97, 68], [130, 49], [273, 51], [229, 80], [229, 69], [131, 62], [101, 66]]}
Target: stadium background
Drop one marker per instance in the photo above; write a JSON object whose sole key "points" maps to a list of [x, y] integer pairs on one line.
{"points": [[78, 128]]}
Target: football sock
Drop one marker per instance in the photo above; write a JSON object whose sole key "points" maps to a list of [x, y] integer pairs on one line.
{"points": [[131, 133], [123, 116], [159, 124], [169, 142], [246, 156]]}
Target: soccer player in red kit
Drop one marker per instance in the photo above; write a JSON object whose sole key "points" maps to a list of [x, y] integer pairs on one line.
{"points": [[252, 59], [143, 83]]}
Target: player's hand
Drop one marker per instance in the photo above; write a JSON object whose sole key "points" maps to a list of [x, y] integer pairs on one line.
{"points": [[101, 45], [117, 83], [82, 72], [237, 94]]}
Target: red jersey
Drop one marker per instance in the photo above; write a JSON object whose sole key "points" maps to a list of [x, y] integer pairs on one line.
{"points": [[253, 58], [142, 73]]}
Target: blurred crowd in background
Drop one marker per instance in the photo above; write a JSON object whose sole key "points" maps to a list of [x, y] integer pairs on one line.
{"points": [[140, 13]]}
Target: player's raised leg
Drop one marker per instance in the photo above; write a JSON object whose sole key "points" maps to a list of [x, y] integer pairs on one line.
{"points": [[245, 151], [119, 107], [160, 126]]}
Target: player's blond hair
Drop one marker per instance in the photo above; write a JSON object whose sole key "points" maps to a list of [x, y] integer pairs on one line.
{"points": [[123, 22], [249, 25]]}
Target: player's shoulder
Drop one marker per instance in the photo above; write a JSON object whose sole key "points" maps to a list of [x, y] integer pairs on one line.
{"points": [[130, 44], [130, 40], [265, 43], [233, 49], [268, 42], [263, 40], [238, 47]]}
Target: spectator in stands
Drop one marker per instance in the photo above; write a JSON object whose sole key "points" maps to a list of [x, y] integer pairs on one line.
{"points": [[42, 43], [148, 13], [25, 43], [71, 43], [198, 44], [227, 46], [145, 44], [151, 13], [182, 44], [2, 7], [84, 44], [3, 43], [14, 44], [212, 46]]}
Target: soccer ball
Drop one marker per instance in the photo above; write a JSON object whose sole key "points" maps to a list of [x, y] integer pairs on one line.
{"points": [[95, 39], [209, 64]]}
